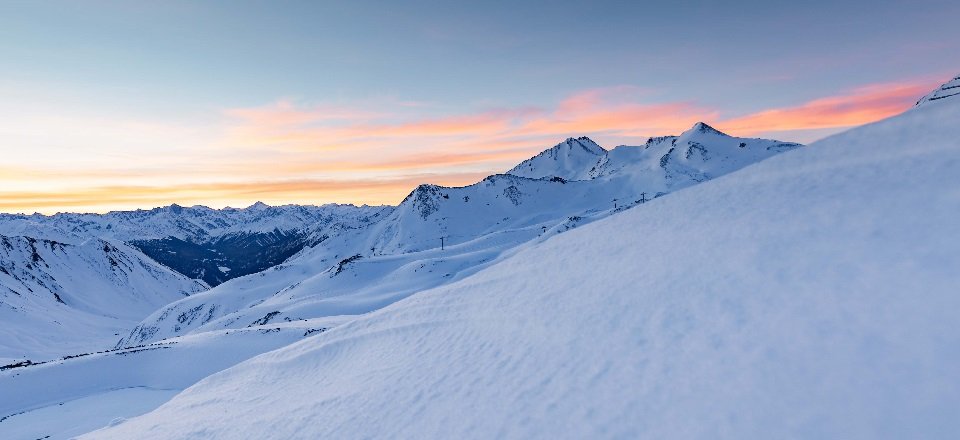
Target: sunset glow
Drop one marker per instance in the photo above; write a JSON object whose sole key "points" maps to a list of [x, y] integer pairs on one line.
{"points": [[122, 129]]}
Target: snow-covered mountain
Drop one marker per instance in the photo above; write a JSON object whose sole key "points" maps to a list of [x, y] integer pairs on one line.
{"points": [[668, 163], [568, 159], [203, 243], [440, 234], [812, 295], [58, 299]]}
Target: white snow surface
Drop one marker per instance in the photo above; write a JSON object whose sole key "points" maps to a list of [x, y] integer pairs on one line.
{"points": [[67, 397], [58, 299], [812, 295]]}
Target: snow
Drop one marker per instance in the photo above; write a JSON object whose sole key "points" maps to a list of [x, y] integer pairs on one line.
{"points": [[568, 159], [68, 419], [195, 224], [85, 392], [58, 299], [811, 295]]}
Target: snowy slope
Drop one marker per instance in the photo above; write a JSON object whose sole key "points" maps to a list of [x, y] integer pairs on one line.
{"points": [[812, 295], [58, 299], [669, 163], [399, 255], [67, 397]]}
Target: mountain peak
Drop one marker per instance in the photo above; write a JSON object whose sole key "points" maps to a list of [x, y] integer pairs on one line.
{"points": [[948, 89], [569, 159], [258, 206], [702, 127], [584, 143]]}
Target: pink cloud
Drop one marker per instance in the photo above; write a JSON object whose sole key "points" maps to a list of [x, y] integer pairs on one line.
{"points": [[856, 107]]}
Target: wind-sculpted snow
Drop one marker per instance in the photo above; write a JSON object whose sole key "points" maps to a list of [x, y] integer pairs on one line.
{"points": [[58, 298], [67, 397], [813, 295]]}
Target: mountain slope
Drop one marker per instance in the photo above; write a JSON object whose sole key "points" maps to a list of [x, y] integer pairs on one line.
{"points": [[58, 298], [812, 295]]}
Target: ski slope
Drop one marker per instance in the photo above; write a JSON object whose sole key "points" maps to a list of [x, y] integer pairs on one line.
{"points": [[812, 295]]}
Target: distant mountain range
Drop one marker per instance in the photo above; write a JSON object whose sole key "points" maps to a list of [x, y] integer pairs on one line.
{"points": [[213, 245]]}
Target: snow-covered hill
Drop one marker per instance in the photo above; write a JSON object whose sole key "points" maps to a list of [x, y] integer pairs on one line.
{"points": [[813, 295], [58, 299], [439, 234]]}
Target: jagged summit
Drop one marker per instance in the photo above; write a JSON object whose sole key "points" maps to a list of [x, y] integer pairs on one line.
{"points": [[567, 159], [703, 128], [582, 142], [949, 89]]}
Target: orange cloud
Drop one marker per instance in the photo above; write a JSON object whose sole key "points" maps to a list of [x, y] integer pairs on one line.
{"points": [[302, 191], [857, 107]]}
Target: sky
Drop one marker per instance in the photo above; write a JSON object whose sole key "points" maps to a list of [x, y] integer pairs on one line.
{"points": [[108, 105]]}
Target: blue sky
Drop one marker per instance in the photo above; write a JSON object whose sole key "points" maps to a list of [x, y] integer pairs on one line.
{"points": [[114, 90]]}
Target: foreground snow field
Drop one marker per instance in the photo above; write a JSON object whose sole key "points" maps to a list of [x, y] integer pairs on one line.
{"points": [[813, 295], [63, 398]]}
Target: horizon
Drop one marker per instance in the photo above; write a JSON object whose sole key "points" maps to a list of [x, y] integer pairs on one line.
{"points": [[260, 202], [136, 105]]}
